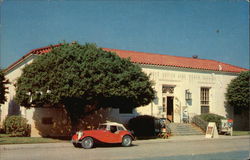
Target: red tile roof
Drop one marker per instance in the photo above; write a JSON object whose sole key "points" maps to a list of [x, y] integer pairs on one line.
{"points": [[154, 59], [176, 61]]}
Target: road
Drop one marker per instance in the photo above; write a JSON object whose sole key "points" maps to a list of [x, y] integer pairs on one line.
{"points": [[146, 149]]}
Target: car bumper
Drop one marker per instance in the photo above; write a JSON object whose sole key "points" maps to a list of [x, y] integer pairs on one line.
{"points": [[75, 141]]}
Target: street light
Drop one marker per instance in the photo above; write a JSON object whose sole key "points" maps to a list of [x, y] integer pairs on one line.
{"points": [[188, 94]]}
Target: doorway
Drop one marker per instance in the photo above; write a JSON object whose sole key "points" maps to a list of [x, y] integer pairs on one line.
{"points": [[170, 109]]}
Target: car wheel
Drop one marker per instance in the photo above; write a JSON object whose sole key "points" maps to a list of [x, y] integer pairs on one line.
{"points": [[126, 141], [87, 143]]}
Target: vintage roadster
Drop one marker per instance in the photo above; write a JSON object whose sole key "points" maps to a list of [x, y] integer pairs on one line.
{"points": [[110, 132]]}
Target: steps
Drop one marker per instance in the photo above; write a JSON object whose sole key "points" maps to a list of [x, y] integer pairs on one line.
{"points": [[184, 129]]}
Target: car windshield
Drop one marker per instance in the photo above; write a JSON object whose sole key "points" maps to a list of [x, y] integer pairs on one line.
{"points": [[102, 127]]}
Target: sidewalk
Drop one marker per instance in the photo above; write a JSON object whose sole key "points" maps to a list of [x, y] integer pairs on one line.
{"points": [[137, 142], [191, 138], [38, 145], [202, 137]]}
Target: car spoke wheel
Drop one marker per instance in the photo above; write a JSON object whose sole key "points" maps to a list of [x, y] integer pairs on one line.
{"points": [[87, 143], [126, 141]]}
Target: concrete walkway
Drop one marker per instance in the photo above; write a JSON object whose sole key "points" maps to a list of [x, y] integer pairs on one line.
{"points": [[191, 138], [202, 137], [65, 144]]}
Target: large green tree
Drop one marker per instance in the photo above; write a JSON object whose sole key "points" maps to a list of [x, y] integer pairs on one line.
{"points": [[83, 78], [238, 92], [3, 88]]}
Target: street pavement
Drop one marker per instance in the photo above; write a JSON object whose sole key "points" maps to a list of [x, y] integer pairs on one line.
{"points": [[174, 148]]}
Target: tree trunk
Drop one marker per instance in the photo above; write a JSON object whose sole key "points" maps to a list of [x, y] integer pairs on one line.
{"points": [[77, 109], [74, 110]]}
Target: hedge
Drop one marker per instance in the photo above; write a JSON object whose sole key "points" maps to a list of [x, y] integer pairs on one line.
{"points": [[210, 117], [142, 126], [17, 126]]}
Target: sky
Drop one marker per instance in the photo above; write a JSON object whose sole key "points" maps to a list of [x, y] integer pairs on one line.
{"points": [[211, 29]]}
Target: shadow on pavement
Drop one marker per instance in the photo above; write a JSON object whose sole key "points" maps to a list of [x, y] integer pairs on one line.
{"points": [[105, 145]]}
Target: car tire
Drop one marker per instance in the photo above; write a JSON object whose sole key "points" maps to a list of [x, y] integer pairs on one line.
{"points": [[87, 143], [126, 141]]}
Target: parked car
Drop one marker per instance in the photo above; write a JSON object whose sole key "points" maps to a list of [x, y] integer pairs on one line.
{"points": [[110, 132]]}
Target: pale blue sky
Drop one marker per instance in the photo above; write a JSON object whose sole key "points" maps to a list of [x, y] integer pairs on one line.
{"points": [[211, 29]]}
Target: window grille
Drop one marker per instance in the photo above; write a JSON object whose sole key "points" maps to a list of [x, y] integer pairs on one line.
{"points": [[204, 98], [167, 89]]}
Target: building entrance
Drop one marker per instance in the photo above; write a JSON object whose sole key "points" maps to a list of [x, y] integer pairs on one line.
{"points": [[170, 108]]}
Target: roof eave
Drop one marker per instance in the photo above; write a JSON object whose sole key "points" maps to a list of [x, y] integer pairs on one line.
{"points": [[191, 69], [18, 62]]}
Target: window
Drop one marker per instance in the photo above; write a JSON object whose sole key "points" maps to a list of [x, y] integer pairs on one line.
{"points": [[102, 127], [167, 89], [204, 109], [113, 129], [120, 128], [47, 120], [163, 104], [204, 97], [125, 110]]}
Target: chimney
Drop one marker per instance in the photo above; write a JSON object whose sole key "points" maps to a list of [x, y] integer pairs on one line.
{"points": [[220, 67], [72, 43], [195, 56]]}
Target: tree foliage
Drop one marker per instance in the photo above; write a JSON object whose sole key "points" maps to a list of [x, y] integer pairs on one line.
{"points": [[83, 77], [3, 88], [238, 92]]}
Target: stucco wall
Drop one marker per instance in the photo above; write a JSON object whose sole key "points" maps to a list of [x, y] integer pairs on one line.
{"points": [[10, 107]]}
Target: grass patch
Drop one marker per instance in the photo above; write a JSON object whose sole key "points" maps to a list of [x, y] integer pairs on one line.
{"points": [[6, 139], [241, 133]]}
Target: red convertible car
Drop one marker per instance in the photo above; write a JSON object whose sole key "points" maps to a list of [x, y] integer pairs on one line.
{"points": [[110, 132]]}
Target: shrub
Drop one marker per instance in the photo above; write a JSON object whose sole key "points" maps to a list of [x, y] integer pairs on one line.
{"points": [[210, 117], [198, 121], [17, 126], [142, 126]]}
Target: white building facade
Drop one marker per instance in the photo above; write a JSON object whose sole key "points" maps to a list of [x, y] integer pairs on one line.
{"points": [[184, 87], [183, 93]]}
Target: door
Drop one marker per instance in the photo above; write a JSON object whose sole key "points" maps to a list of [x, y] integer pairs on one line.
{"points": [[170, 109], [112, 135]]}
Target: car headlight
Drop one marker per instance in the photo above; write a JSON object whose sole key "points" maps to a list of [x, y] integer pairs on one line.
{"points": [[79, 134]]}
